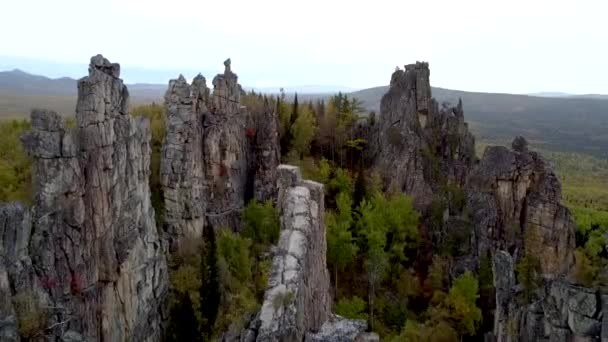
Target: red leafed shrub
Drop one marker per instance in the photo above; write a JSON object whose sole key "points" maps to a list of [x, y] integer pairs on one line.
{"points": [[48, 282], [223, 170], [76, 284], [250, 132]]}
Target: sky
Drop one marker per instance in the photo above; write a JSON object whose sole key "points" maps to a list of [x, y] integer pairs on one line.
{"points": [[511, 46]]}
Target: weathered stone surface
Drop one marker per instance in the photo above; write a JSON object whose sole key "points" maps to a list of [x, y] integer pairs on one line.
{"points": [[15, 265], [563, 312], [297, 299], [226, 151], [267, 154], [504, 282], [515, 201], [415, 143], [340, 329], [91, 257], [182, 161]]}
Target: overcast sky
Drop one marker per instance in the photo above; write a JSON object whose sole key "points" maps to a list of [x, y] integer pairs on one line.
{"points": [[516, 46]]}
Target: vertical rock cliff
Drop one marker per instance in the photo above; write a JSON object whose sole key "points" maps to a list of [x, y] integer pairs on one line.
{"points": [[226, 152], [87, 262], [182, 161], [515, 202], [267, 154], [415, 145], [214, 158]]}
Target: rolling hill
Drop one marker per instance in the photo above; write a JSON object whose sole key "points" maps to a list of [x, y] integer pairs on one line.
{"points": [[21, 91], [568, 123]]}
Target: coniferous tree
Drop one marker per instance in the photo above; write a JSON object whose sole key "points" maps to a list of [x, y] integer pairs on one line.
{"points": [[294, 112], [210, 291], [360, 187], [183, 325]]}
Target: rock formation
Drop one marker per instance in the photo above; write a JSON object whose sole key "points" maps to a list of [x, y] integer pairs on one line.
{"points": [[297, 303], [267, 154], [182, 161], [86, 263], [515, 203], [563, 312], [415, 143], [297, 299], [226, 152], [215, 158], [514, 199]]}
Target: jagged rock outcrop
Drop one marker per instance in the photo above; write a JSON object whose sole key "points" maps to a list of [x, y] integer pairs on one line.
{"points": [[87, 262], [182, 161], [515, 203], [226, 151], [206, 167], [267, 154], [415, 143], [563, 312]]}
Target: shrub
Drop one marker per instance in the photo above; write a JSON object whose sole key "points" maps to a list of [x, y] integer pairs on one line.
{"points": [[353, 308], [261, 222]]}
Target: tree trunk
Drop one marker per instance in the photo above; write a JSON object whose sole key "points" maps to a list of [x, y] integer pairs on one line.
{"points": [[336, 280], [371, 307]]}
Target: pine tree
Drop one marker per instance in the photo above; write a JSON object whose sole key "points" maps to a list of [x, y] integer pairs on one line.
{"points": [[360, 187], [183, 325], [210, 291], [341, 247], [294, 112]]}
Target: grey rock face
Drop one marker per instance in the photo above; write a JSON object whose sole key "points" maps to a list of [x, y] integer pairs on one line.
{"points": [[91, 257], [267, 154], [226, 151], [15, 265], [182, 162], [504, 282], [339, 329], [207, 156], [297, 299], [563, 312], [415, 142], [515, 200]]}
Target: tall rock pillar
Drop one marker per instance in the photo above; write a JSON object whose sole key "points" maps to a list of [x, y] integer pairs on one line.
{"points": [[182, 161]]}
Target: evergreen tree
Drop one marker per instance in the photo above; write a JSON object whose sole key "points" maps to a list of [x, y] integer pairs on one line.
{"points": [[462, 303], [302, 132], [341, 248], [183, 325], [294, 111], [360, 187], [210, 291]]}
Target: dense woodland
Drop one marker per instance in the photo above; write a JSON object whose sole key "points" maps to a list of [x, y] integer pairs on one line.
{"points": [[384, 266]]}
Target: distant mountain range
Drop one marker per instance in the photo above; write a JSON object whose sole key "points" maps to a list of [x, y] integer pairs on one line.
{"points": [[558, 94], [556, 121]]}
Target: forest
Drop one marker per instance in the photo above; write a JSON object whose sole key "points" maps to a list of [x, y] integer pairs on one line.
{"points": [[382, 262]]}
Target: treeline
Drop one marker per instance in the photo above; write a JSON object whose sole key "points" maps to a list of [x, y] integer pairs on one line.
{"points": [[388, 263]]}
